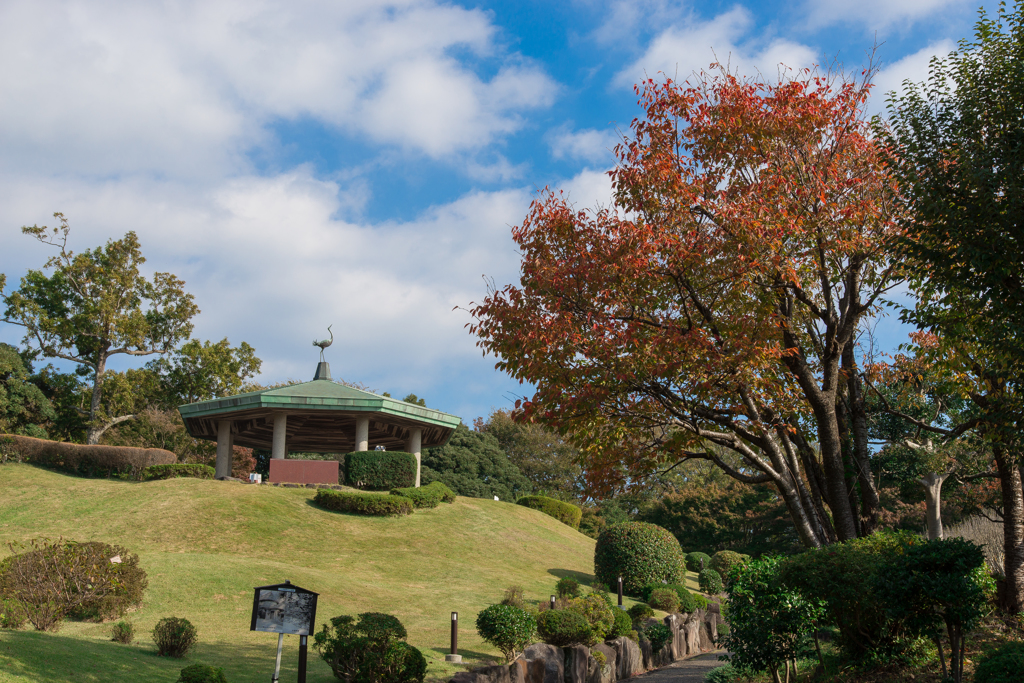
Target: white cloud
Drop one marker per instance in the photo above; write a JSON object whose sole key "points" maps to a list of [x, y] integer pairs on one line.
{"points": [[874, 14], [913, 67], [185, 89], [682, 49], [594, 146]]}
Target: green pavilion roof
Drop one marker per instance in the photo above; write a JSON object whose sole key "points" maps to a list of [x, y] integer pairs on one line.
{"points": [[321, 418]]}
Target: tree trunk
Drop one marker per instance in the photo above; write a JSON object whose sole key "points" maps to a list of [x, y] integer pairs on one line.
{"points": [[95, 431], [1013, 530], [932, 483]]}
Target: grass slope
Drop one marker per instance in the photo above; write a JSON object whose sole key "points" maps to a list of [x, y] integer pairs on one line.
{"points": [[206, 544]]}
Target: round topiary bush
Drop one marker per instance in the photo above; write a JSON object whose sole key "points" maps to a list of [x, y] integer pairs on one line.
{"points": [[562, 627], [201, 673], [623, 625], [174, 637], [1003, 665], [640, 553], [665, 599], [506, 627], [639, 613], [567, 587], [710, 582], [696, 562], [724, 560]]}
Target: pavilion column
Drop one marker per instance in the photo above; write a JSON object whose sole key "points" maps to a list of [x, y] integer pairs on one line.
{"points": [[362, 433], [225, 445], [413, 445], [280, 443]]}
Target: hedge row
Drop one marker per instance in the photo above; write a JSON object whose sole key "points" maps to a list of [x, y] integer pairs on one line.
{"points": [[156, 472], [363, 503], [380, 470], [429, 496], [87, 460], [566, 513]]}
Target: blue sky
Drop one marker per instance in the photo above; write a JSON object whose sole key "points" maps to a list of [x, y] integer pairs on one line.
{"points": [[361, 163]]}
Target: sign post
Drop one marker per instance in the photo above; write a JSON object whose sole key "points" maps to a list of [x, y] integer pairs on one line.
{"points": [[284, 608]]}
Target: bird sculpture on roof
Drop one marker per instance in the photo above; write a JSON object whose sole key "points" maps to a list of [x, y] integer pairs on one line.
{"points": [[325, 343]]}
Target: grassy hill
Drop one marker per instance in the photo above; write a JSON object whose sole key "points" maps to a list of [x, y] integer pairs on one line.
{"points": [[206, 544]]}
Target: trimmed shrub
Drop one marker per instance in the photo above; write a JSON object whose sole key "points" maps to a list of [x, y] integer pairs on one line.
{"points": [[640, 553], [639, 613], [174, 637], [12, 613], [623, 625], [686, 602], [429, 496], [380, 470], [122, 632], [567, 587], [363, 503], [175, 470], [92, 461], [598, 614], [508, 628], [696, 562], [563, 627], [566, 513], [699, 601], [372, 649], [658, 635], [1003, 665], [201, 673], [710, 581], [665, 599], [724, 560]]}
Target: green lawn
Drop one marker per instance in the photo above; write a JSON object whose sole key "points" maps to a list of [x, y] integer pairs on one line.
{"points": [[206, 544]]}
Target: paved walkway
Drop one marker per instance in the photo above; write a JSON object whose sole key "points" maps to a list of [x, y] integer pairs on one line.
{"points": [[683, 671]]}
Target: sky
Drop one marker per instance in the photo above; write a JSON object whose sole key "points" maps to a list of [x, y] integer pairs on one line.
{"points": [[361, 163]]}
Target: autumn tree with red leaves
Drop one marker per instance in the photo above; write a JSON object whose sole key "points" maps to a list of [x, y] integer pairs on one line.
{"points": [[717, 304]]}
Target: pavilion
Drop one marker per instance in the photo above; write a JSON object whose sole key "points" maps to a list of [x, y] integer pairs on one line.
{"points": [[320, 416]]}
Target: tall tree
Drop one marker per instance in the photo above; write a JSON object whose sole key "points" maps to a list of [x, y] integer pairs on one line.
{"points": [[201, 370], [24, 409], [719, 302], [95, 305], [958, 151]]}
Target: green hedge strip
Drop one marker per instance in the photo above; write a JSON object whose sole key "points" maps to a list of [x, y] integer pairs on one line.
{"points": [[363, 503], [380, 470], [155, 472], [429, 496], [566, 513]]}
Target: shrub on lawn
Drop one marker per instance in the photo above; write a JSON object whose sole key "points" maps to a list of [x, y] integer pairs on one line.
{"points": [[429, 496], [598, 613], [1002, 665], [122, 632], [563, 627], [380, 470], [174, 637], [695, 562], [710, 581], [623, 625], [363, 503], [508, 628], [102, 461], [665, 599], [12, 613], [640, 553], [567, 587], [201, 673], [566, 513], [174, 470], [514, 597], [131, 584], [724, 560], [370, 649], [639, 613]]}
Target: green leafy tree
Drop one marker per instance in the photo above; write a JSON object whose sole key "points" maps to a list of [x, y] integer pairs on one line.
{"points": [[202, 370], [370, 650], [507, 627], [24, 409], [96, 305], [473, 464]]}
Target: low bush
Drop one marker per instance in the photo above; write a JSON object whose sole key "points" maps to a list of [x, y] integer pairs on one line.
{"points": [[370, 649], [710, 581], [568, 587], [639, 613], [724, 560], [695, 562], [687, 603], [174, 637], [566, 513], [1002, 665], [598, 613], [722, 674], [363, 503], [640, 553], [122, 632], [429, 496], [175, 470], [380, 470], [201, 673], [622, 626], [658, 635], [131, 582], [563, 627], [87, 460], [12, 613], [515, 597], [699, 601], [508, 628], [665, 599]]}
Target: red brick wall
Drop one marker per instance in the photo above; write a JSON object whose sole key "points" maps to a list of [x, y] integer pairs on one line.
{"points": [[304, 471]]}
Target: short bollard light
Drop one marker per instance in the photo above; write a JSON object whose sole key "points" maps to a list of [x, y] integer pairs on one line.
{"points": [[620, 591], [552, 602], [454, 656]]}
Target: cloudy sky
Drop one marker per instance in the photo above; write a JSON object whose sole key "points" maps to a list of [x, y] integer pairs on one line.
{"points": [[361, 162]]}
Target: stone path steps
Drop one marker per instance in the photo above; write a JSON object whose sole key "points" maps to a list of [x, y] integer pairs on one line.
{"points": [[683, 671]]}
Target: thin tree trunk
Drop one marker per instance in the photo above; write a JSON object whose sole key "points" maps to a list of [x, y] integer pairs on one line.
{"points": [[94, 432], [859, 427], [942, 657], [932, 483], [1013, 530]]}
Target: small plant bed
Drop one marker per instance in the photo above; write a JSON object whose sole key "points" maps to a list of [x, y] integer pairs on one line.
{"points": [[429, 496], [363, 503]]}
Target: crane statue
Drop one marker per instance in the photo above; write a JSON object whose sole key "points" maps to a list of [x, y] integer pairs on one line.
{"points": [[325, 343]]}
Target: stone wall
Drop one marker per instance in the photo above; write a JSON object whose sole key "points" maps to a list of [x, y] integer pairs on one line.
{"points": [[692, 634]]}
